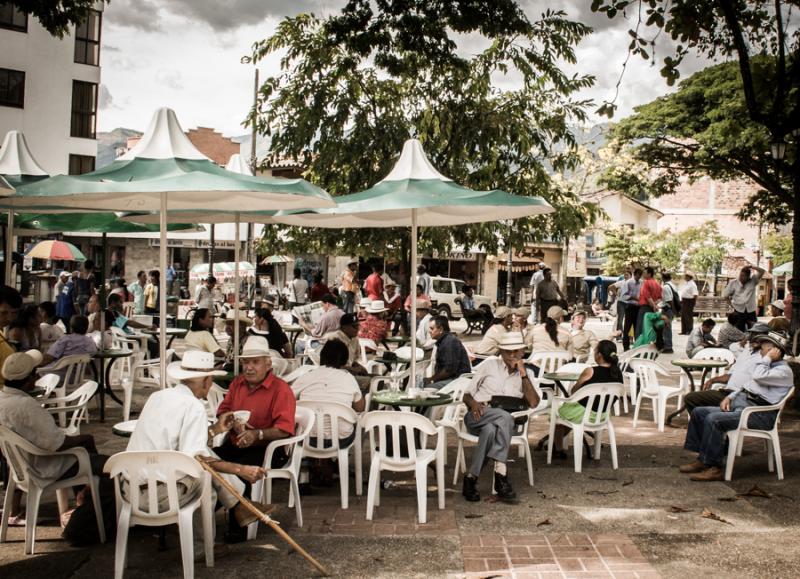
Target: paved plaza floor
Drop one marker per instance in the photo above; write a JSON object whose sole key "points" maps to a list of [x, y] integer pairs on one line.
{"points": [[643, 520]]}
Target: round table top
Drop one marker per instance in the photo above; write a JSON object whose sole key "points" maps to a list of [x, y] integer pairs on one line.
{"points": [[112, 354], [170, 332], [124, 429], [561, 376], [699, 363], [291, 327], [401, 399]]}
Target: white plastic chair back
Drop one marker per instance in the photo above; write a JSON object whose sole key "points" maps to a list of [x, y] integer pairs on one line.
{"points": [[549, 361], [392, 426], [279, 363], [574, 367], [49, 382], [74, 368], [214, 398], [330, 415], [445, 415], [647, 372], [77, 402], [648, 352], [604, 395]]}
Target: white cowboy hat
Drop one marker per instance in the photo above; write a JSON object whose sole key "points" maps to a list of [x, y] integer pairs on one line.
{"points": [[238, 315], [376, 307], [255, 347], [352, 261], [195, 364], [511, 341], [364, 303], [20, 365]]}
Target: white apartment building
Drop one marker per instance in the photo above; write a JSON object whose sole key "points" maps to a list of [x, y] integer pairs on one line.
{"points": [[49, 89]]}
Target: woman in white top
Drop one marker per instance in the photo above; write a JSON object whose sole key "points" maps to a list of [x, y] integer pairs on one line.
{"points": [[200, 336], [550, 336], [50, 327]]}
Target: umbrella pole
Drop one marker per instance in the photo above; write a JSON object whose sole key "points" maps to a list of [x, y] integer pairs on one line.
{"points": [[10, 248], [236, 336], [413, 292], [162, 290]]}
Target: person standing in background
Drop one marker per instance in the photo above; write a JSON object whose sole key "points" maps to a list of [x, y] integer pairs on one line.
{"points": [[348, 286], [137, 290], [688, 295], [536, 278], [424, 279], [649, 296], [298, 290], [373, 285], [743, 295], [548, 294], [633, 287]]}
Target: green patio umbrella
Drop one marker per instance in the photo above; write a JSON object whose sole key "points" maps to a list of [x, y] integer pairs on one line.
{"points": [[415, 194], [100, 222], [784, 269]]}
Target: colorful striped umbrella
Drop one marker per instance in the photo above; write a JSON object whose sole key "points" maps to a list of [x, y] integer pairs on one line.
{"points": [[52, 249]]}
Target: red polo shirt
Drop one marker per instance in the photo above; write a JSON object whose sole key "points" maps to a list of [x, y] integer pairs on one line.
{"points": [[650, 289], [271, 404], [374, 286]]}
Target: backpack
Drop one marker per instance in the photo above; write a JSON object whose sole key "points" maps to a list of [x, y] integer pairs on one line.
{"points": [[676, 299]]}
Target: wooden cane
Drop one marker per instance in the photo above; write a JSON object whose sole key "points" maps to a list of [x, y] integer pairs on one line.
{"points": [[264, 518]]}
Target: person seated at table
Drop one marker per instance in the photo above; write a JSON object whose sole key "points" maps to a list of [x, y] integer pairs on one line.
{"points": [[272, 413], [348, 335], [394, 303], [502, 323], [748, 354], [374, 327], [329, 322], [550, 336], [201, 334], [452, 359], [120, 320], [24, 332], [597, 307], [331, 383], [24, 414], [72, 344], [176, 419], [605, 370], [701, 337], [233, 317], [505, 376], [471, 312], [418, 296], [51, 327], [268, 327], [121, 290], [770, 382], [100, 328], [424, 339], [728, 334], [583, 340]]}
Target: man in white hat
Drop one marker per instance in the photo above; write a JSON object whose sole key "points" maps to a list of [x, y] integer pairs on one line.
{"points": [[503, 376], [24, 414], [235, 316], [424, 339], [176, 419], [374, 327], [348, 284]]}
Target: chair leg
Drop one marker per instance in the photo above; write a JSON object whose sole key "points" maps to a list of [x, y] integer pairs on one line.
{"points": [[10, 487], [98, 510], [459, 458], [257, 492], [268, 490], [127, 390], [31, 515], [662, 412], [294, 489], [187, 543], [207, 512], [440, 479], [422, 493], [358, 463], [577, 447], [444, 444], [733, 443], [550, 439], [529, 461], [598, 444], [637, 407], [612, 445], [62, 498], [121, 548], [344, 477], [770, 455], [776, 449], [373, 488]]}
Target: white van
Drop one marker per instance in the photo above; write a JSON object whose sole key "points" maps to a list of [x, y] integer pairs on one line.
{"points": [[444, 293]]}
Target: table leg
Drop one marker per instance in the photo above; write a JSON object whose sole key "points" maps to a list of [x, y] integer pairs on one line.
{"points": [[102, 390], [691, 389], [109, 391]]}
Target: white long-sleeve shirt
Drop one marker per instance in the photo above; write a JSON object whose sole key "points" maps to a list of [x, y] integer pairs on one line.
{"points": [[743, 295], [771, 380]]}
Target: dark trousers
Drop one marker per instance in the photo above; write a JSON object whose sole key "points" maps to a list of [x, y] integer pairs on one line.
{"points": [[704, 398], [545, 305], [631, 315], [687, 315], [745, 319], [646, 309], [621, 315], [253, 456]]}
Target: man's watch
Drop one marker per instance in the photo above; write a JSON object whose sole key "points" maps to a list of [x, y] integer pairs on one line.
{"points": [[260, 434]]}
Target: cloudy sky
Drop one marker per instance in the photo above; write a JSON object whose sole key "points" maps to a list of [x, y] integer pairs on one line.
{"points": [[186, 54]]}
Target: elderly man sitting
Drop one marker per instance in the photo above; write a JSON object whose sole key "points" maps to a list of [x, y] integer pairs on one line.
{"points": [[583, 340], [23, 414], [507, 377], [770, 382], [176, 419]]}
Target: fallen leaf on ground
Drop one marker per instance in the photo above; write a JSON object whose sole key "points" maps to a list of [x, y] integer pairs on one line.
{"points": [[674, 509], [591, 476], [627, 483], [601, 492], [707, 514], [472, 516], [542, 523], [756, 491], [728, 499], [491, 499]]}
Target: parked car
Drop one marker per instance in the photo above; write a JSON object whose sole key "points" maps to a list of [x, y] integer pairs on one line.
{"points": [[446, 294]]}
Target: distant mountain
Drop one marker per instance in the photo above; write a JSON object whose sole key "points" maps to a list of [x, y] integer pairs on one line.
{"points": [[109, 142]]}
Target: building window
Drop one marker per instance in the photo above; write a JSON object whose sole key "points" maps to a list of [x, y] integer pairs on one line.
{"points": [[87, 39], [12, 88], [84, 109], [12, 18], [80, 164]]}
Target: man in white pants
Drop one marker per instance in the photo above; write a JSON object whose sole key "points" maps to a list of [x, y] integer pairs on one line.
{"points": [[537, 277]]}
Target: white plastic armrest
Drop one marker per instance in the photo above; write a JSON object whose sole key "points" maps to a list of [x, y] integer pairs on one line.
{"points": [[276, 444], [746, 412]]}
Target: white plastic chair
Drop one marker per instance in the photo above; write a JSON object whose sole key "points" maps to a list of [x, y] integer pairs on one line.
{"points": [[332, 414], [603, 394], [722, 354], [647, 373], [297, 372], [770, 437], [214, 398], [446, 416], [149, 373], [389, 424], [279, 363], [75, 402], [17, 451], [547, 362], [304, 420], [519, 439], [142, 473], [48, 382], [648, 352], [72, 370]]}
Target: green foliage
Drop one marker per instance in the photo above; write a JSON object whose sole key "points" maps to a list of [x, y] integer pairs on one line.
{"points": [[353, 87], [704, 129], [780, 246], [57, 16], [700, 249]]}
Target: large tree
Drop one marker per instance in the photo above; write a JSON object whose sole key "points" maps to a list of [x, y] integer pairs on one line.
{"points": [[763, 44], [55, 15], [492, 114]]}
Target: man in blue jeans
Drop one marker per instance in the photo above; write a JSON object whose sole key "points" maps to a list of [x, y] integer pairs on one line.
{"points": [[771, 381]]}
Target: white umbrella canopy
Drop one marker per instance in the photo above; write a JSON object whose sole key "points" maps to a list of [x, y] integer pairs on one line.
{"points": [[415, 194]]}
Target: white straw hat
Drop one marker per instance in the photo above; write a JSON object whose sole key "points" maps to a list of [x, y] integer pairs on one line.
{"points": [[255, 347], [238, 315], [195, 364], [511, 341], [376, 307]]}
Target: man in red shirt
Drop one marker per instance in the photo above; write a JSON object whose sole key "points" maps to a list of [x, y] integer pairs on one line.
{"points": [[649, 296], [272, 414], [374, 283]]}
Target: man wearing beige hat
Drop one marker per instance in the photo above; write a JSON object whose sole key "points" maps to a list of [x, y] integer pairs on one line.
{"points": [[240, 317], [496, 381], [503, 321], [24, 414], [176, 419]]}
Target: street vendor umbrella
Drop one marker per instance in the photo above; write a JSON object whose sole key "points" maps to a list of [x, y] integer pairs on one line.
{"points": [[224, 270], [274, 259], [59, 250], [415, 194], [784, 269]]}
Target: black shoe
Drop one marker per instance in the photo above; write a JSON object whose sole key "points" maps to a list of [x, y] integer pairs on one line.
{"points": [[233, 536], [667, 351], [470, 489], [503, 487]]}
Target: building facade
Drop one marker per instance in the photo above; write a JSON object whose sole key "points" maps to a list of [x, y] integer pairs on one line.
{"points": [[49, 88]]}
